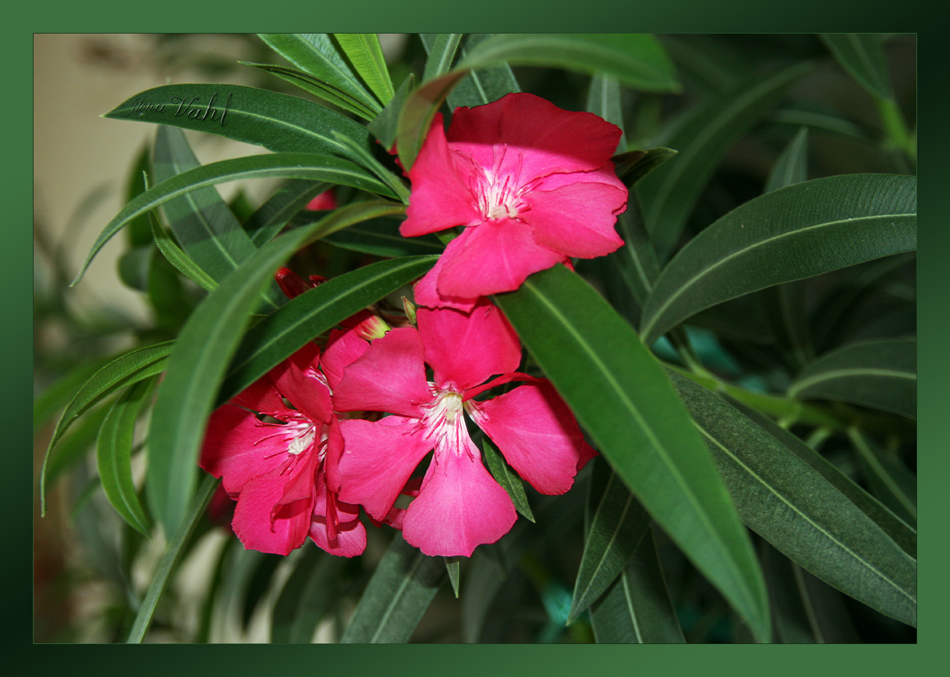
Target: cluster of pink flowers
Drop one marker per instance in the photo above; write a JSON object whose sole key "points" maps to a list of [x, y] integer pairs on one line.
{"points": [[352, 425]]}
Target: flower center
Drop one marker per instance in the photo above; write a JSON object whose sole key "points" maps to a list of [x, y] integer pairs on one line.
{"points": [[304, 432], [443, 414], [499, 192]]}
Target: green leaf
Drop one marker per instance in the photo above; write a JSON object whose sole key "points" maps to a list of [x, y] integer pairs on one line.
{"points": [[635, 164], [862, 56], [441, 48], [314, 312], [173, 552], [618, 525], [796, 232], [890, 481], [396, 597], [276, 165], [124, 370], [383, 127], [637, 608], [603, 100], [306, 596], [792, 165], [366, 55], [280, 208], [703, 138], [319, 88], [417, 114], [179, 259], [795, 509], [880, 374], [508, 479], [483, 85], [376, 167], [198, 365], [382, 238], [452, 566], [636, 60], [622, 397], [57, 395], [278, 122], [74, 444], [315, 53], [204, 226], [114, 454]]}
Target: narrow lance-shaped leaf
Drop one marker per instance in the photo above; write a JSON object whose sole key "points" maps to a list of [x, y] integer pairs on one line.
{"points": [[203, 224], [316, 86], [637, 608], [792, 165], [311, 589], [890, 481], [396, 597], [880, 374], [314, 312], [124, 370], [276, 165], [316, 54], [795, 509], [382, 238], [59, 394], [280, 208], [278, 122], [198, 365], [793, 233], [622, 397], [483, 85], [618, 525], [603, 100], [114, 454], [509, 481], [703, 138], [383, 127], [175, 256], [862, 56], [452, 567], [441, 48], [364, 52]]}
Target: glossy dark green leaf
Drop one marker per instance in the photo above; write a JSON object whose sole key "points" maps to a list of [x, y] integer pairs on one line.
{"points": [[792, 165], [603, 100], [618, 524], [789, 234], [507, 478], [364, 52], [636, 60], [125, 370], [637, 607], [312, 313], [452, 566], [114, 455], [417, 114], [880, 374], [318, 87], [396, 597], [173, 553], [804, 610], [278, 122], [384, 126], [77, 441], [635, 164], [279, 208], [275, 165], [316, 53], [483, 85], [204, 226], [388, 178], [862, 56], [198, 365], [167, 295], [57, 395], [622, 397], [794, 508], [703, 138], [896, 528], [177, 258], [306, 596], [382, 238], [889, 479], [441, 48]]}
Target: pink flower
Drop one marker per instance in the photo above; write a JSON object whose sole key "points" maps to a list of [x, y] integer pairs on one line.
{"points": [[459, 505], [325, 200], [281, 469], [531, 183]]}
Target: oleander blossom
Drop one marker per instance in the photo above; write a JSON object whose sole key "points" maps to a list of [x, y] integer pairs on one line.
{"points": [[531, 183], [459, 505], [280, 467]]}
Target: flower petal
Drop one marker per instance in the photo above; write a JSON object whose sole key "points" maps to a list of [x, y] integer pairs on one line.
{"points": [[237, 447], [262, 528], [378, 459], [298, 379], [390, 377], [537, 434], [344, 347], [465, 349], [440, 195], [491, 258], [425, 293], [536, 137], [576, 219], [460, 506], [335, 526]]}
